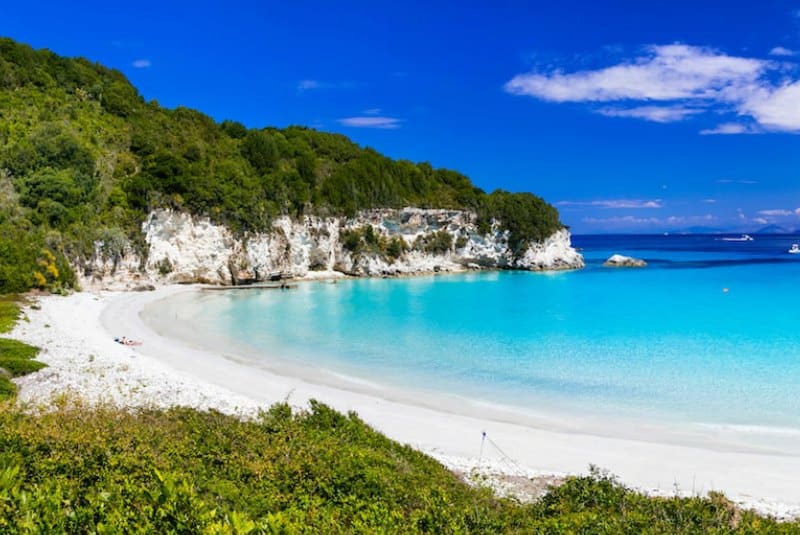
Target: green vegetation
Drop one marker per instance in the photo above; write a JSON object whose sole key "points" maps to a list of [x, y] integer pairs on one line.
{"points": [[15, 357], [14, 350], [438, 242], [364, 240], [183, 471], [83, 158], [9, 313]]}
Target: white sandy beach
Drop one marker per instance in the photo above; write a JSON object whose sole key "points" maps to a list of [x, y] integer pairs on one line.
{"points": [[76, 335]]}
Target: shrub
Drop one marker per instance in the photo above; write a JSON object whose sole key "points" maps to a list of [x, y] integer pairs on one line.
{"points": [[80, 470], [164, 266], [7, 390], [439, 242], [395, 248]]}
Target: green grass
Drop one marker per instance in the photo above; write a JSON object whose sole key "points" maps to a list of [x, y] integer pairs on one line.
{"points": [[7, 388], [81, 470], [12, 349], [16, 358], [9, 313], [20, 367]]}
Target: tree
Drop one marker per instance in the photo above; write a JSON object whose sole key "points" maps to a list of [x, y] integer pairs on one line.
{"points": [[259, 149]]}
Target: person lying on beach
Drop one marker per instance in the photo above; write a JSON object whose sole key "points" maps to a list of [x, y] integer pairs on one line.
{"points": [[124, 341]]}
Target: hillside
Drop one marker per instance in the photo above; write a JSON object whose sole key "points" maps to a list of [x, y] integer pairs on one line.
{"points": [[83, 158]]}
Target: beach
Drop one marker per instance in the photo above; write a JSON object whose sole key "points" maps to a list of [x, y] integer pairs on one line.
{"points": [[76, 334]]}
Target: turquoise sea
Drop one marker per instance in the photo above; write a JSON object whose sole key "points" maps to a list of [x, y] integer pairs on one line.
{"points": [[664, 343]]}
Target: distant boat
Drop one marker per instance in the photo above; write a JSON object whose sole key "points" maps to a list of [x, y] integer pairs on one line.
{"points": [[795, 249], [743, 237]]}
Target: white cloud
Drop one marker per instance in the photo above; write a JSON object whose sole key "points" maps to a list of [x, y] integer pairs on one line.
{"points": [[141, 63], [732, 181], [657, 114], [782, 51], [776, 109], [615, 203], [668, 83], [311, 84], [627, 220], [666, 72], [622, 222], [775, 212], [727, 128], [694, 219], [305, 85], [372, 111], [371, 122], [710, 201], [797, 211], [760, 220]]}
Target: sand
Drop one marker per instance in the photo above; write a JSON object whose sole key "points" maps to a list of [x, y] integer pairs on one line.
{"points": [[76, 336]]}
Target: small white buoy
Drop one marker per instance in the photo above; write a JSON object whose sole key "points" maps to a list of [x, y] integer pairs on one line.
{"points": [[725, 290]]}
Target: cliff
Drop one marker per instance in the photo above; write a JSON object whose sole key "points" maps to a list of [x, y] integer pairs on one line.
{"points": [[182, 248], [84, 159]]}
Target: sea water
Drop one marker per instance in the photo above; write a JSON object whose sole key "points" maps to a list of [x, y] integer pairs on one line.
{"points": [[707, 333]]}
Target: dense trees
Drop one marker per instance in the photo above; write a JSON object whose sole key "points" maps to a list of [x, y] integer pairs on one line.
{"points": [[81, 152]]}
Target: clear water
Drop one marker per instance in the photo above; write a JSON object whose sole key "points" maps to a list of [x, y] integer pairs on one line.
{"points": [[666, 341]]}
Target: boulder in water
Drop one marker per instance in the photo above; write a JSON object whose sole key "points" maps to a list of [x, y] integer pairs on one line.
{"points": [[619, 260]]}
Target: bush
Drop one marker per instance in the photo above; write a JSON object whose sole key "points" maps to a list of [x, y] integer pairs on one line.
{"points": [[7, 390], [395, 248], [79, 470], [164, 266], [528, 218], [439, 242]]}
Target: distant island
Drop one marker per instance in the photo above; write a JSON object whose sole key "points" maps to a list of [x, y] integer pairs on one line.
{"points": [[773, 229]]}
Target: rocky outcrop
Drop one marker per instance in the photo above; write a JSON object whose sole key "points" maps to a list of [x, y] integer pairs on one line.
{"points": [[183, 248], [619, 260]]}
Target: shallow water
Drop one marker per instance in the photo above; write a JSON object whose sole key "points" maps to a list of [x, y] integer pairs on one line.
{"points": [[664, 342]]}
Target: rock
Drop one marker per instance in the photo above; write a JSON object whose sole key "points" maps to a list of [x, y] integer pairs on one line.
{"points": [[200, 250], [554, 253], [619, 260], [144, 288]]}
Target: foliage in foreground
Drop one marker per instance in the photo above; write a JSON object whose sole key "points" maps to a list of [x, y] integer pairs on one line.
{"points": [[83, 159], [78, 470]]}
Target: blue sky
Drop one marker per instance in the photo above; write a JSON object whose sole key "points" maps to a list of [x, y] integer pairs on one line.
{"points": [[628, 116]]}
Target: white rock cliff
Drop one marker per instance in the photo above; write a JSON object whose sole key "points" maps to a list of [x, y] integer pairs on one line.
{"points": [[183, 248]]}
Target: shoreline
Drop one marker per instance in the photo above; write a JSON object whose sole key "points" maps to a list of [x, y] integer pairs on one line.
{"points": [[543, 414], [78, 346]]}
